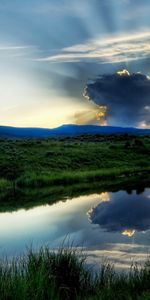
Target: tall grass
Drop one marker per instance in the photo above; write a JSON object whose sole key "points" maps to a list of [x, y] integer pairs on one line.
{"points": [[63, 275], [45, 275], [33, 179]]}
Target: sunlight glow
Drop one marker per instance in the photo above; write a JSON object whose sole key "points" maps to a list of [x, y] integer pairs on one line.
{"points": [[123, 73], [128, 232], [94, 115], [143, 125], [104, 197]]}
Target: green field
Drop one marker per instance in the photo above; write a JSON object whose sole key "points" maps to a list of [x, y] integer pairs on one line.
{"points": [[50, 162]]}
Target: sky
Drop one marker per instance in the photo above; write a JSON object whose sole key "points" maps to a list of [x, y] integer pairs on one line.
{"points": [[62, 62]]}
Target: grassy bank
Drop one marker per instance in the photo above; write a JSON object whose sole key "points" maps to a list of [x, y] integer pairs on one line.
{"points": [[65, 275], [46, 179], [27, 197], [47, 162]]}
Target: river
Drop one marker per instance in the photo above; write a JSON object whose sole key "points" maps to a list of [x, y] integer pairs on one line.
{"points": [[114, 225]]}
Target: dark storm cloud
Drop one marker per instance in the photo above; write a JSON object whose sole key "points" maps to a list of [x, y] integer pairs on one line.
{"points": [[127, 97], [123, 212]]}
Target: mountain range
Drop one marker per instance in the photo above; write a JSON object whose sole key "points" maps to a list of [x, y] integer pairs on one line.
{"points": [[67, 130]]}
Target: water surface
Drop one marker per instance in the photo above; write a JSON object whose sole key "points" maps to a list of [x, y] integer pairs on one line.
{"points": [[116, 225]]}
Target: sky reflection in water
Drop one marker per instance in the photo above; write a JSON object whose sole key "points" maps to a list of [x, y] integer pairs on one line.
{"points": [[115, 225]]}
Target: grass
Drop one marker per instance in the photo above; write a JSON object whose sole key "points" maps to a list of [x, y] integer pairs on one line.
{"points": [[27, 197], [48, 162], [65, 275], [55, 165], [46, 179]]}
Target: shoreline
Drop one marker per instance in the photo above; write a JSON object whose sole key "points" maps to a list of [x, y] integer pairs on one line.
{"points": [[29, 196]]}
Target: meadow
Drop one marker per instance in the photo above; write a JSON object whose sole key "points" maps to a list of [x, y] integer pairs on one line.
{"points": [[38, 163]]}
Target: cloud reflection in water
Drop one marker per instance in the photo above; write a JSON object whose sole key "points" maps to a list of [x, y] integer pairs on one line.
{"points": [[125, 214]]}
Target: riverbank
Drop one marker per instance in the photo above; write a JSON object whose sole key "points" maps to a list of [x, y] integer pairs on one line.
{"points": [[28, 197], [48, 162], [65, 275]]}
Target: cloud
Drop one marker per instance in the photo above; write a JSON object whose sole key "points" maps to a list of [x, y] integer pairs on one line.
{"points": [[123, 213], [17, 51], [110, 49], [126, 96], [95, 115], [10, 48], [121, 255]]}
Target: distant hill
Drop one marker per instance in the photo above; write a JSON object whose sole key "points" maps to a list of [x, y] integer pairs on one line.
{"points": [[67, 130]]}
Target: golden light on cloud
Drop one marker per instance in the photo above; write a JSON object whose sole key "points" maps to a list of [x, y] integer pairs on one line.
{"points": [[143, 125], [92, 116], [101, 113], [104, 197], [98, 113], [128, 232], [123, 73]]}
